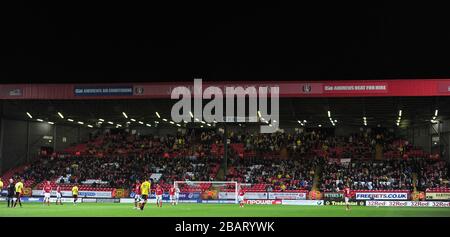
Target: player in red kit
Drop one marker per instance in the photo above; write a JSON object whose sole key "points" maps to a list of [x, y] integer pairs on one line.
{"points": [[347, 196], [172, 196], [241, 197], [47, 190], [137, 194], [159, 192], [58, 195]]}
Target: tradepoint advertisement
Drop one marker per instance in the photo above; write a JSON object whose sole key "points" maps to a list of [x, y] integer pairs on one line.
{"points": [[342, 203]]}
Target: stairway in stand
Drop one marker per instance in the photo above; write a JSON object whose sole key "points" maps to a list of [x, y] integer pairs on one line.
{"points": [[414, 176], [316, 180], [221, 173], [378, 152]]}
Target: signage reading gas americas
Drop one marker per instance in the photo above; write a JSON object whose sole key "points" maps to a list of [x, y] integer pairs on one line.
{"points": [[356, 88], [287, 89], [103, 91]]}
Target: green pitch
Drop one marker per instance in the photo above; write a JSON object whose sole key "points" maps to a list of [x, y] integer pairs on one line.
{"points": [[213, 210]]}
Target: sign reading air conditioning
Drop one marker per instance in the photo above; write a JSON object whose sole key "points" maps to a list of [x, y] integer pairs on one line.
{"points": [[103, 90]]}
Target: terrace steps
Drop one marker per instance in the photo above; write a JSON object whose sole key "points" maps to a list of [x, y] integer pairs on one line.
{"points": [[378, 152], [414, 176], [316, 180]]}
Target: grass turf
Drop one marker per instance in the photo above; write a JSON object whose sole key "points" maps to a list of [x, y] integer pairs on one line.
{"points": [[214, 210]]}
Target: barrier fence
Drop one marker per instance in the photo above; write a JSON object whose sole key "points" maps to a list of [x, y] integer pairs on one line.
{"points": [[359, 198]]}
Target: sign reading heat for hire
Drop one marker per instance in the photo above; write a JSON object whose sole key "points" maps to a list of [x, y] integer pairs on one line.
{"points": [[365, 87]]}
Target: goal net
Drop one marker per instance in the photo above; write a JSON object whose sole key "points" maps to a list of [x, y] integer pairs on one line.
{"points": [[210, 191]]}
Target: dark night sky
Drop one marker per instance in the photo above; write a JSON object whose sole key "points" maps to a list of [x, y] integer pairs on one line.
{"points": [[127, 42]]}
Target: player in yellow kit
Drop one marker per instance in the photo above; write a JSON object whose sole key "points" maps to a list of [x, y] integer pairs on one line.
{"points": [[145, 191], [75, 194], [19, 192], [1, 185]]}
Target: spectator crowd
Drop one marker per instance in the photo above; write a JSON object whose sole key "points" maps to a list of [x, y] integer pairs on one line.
{"points": [[280, 161]]}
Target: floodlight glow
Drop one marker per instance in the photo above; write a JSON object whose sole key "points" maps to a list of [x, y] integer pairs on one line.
{"points": [[29, 115], [60, 115]]}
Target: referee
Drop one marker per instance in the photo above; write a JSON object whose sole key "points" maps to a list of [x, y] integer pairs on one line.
{"points": [[11, 191]]}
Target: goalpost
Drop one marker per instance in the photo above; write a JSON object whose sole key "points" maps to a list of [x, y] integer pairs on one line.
{"points": [[225, 191]]}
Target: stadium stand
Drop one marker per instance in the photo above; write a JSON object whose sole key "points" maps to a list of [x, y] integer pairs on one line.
{"points": [[115, 160]]}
